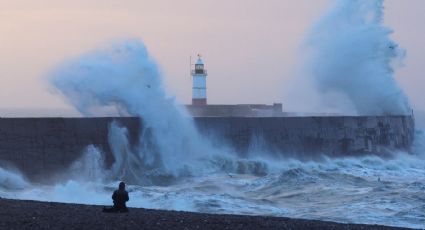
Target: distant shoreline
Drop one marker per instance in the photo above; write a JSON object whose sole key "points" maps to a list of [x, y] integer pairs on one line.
{"points": [[23, 214]]}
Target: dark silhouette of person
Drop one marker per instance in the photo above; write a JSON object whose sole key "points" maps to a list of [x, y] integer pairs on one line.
{"points": [[119, 197]]}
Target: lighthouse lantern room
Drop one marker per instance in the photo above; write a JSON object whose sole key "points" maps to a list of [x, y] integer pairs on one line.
{"points": [[199, 86]]}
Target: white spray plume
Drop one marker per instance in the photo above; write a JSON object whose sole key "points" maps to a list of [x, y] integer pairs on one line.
{"points": [[125, 77], [90, 167], [349, 62], [12, 180]]}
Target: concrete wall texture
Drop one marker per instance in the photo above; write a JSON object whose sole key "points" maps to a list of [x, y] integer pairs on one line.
{"points": [[41, 146], [306, 136]]}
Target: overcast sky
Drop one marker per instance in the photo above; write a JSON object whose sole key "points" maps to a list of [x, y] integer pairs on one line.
{"points": [[250, 46]]}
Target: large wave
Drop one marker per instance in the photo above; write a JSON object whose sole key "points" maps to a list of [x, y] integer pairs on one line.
{"points": [[124, 78], [348, 63]]}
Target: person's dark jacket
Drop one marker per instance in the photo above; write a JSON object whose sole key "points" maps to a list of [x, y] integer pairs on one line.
{"points": [[119, 197]]}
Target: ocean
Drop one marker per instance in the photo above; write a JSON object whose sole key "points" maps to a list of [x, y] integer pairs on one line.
{"points": [[366, 189]]}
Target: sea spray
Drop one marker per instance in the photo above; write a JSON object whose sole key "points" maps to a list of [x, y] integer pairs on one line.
{"points": [[349, 61], [141, 165], [125, 78], [90, 167], [10, 180]]}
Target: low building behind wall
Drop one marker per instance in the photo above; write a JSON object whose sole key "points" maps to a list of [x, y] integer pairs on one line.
{"points": [[42, 146], [241, 110]]}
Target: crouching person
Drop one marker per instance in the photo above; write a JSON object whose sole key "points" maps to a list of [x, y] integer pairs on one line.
{"points": [[119, 197]]}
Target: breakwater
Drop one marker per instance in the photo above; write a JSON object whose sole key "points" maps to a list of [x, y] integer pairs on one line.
{"points": [[40, 146]]}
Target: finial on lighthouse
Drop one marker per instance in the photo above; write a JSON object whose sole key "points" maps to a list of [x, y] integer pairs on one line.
{"points": [[199, 61], [199, 86]]}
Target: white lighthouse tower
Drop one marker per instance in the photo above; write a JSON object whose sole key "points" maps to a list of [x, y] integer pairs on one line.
{"points": [[199, 86]]}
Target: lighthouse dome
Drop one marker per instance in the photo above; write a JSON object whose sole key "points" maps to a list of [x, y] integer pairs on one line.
{"points": [[199, 62]]}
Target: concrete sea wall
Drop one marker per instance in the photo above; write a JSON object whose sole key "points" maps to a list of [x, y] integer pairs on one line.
{"points": [[307, 136], [40, 146]]}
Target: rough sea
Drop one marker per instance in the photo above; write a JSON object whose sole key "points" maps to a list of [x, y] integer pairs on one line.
{"points": [[367, 189]]}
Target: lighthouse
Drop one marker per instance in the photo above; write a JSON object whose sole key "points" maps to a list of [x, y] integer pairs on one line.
{"points": [[199, 85]]}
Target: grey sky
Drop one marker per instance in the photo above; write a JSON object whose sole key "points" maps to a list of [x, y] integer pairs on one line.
{"points": [[249, 46]]}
